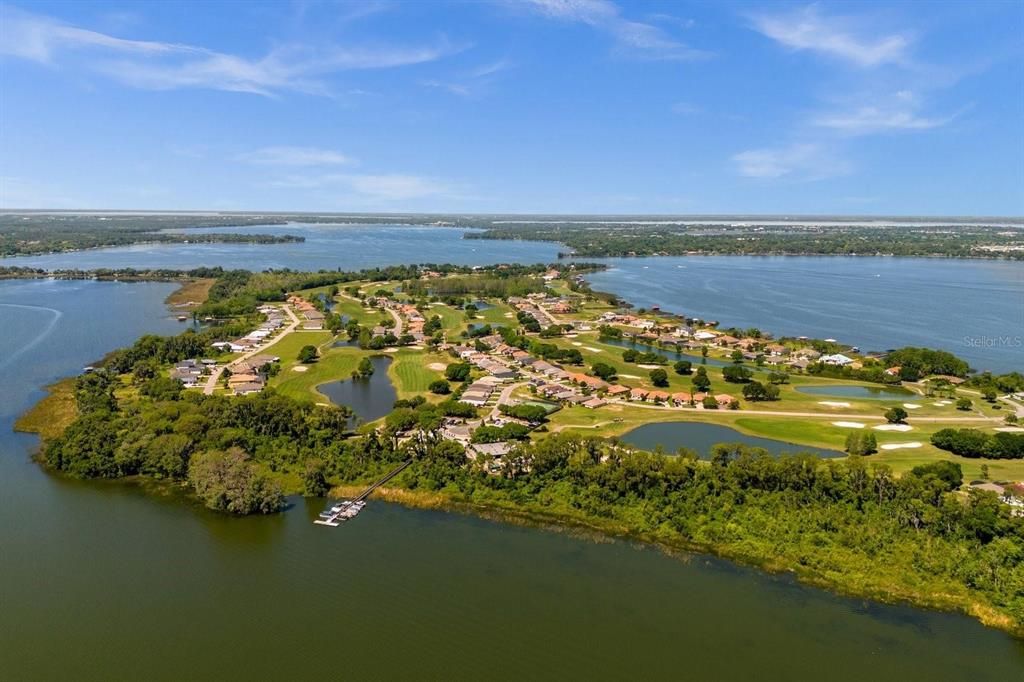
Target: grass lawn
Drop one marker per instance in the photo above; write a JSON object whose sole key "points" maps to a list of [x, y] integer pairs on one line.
{"points": [[54, 413], [410, 373]]}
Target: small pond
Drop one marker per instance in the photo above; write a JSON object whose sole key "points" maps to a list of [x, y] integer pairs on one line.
{"points": [[701, 437], [371, 398], [864, 392]]}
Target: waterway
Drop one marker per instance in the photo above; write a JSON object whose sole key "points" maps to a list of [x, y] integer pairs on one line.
{"points": [[105, 581], [701, 437], [861, 392]]}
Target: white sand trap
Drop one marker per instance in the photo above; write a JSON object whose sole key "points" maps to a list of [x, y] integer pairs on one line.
{"points": [[629, 376], [593, 350], [300, 368], [940, 404], [943, 403], [1010, 429], [651, 366], [900, 446], [576, 343], [390, 350], [509, 315], [911, 406], [893, 427], [849, 425], [833, 403], [437, 366]]}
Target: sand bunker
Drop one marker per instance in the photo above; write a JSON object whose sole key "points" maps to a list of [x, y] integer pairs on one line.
{"points": [[943, 403], [899, 446], [576, 343], [833, 403], [893, 427], [849, 425], [593, 350], [299, 368], [911, 406], [651, 366], [437, 366], [629, 376], [1010, 429]]}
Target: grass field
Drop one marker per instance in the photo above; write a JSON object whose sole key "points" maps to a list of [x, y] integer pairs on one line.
{"points": [[410, 373], [192, 291], [54, 413]]}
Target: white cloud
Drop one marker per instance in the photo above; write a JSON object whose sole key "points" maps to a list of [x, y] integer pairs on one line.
{"points": [[807, 29], [295, 156], [638, 38], [872, 119], [800, 161], [167, 66], [373, 187]]}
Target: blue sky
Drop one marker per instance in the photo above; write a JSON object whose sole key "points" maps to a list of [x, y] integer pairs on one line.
{"points": [[574, 106]]}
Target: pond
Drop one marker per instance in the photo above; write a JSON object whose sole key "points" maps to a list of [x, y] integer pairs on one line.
{"points": [[370, 398], [701, 437], [865, 392], [673, 354]]}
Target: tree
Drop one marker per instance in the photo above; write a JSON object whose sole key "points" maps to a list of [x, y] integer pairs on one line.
{"points": [[778, 378], [683, 367], [365, 369], [964, 404], [227, 481], [457, 371], [700, 380], [858, 443], [630, 355], [314, 481], [709, 403], [756, 391], [737, 374], [307, 354], [659, 377], [895, 415], [440, 387], [603, 370], [737, 356]]}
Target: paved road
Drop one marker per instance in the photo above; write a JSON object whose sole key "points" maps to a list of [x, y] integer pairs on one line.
{"points": [[503, 399], [211, 383]]}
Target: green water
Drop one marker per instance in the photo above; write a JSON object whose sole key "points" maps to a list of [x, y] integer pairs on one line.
{"points": [[104, 581], [864, 392]]}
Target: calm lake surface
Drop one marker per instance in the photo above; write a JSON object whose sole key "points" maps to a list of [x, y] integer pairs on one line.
{"points": [[864, 392], [105, 581], [701, 437], [370, 398], [972, 308]]}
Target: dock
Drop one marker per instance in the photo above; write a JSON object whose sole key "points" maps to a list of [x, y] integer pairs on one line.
{"points": [[338, 513]]}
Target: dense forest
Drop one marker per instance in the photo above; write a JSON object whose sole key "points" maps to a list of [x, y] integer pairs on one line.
{"points": [[616, 240]]}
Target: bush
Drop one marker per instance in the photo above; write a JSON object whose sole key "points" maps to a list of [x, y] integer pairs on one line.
{"points": [[440, 387], [307, 354], [458, 371], [964, 404], [683, 367]]}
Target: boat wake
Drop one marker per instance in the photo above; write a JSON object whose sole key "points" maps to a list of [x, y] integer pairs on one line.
{"points": [[47, 330]]}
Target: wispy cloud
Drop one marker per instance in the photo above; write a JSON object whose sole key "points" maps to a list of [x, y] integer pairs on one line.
{"points": [[638, 38], [900, 114], [295, 156], [800, 161], [471, 82], [377, 187], [840, 37], [166, 66]]}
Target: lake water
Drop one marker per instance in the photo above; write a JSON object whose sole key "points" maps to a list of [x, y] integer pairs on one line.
{"points": [[370, 398], [105, 581], [970, 307], [327, 247], [863, 392], [701, 437]]}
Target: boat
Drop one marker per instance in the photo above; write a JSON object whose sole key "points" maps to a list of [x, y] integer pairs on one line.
{"points": [[182, 318]]}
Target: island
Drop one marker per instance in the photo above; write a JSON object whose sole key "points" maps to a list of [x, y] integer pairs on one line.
{"points": [[520, 392]]}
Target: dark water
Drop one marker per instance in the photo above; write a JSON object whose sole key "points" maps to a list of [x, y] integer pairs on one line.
{"points": [[370, 398], [974, 309], [865, 392], [104, 581], [672, 354], [701, 437]]}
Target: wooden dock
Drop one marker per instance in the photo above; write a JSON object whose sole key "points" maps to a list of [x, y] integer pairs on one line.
{"points": [[345, 509]]}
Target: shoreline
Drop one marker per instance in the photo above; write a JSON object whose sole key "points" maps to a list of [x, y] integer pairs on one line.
{"points": [[609, 530]]}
